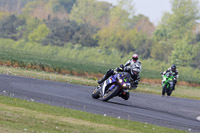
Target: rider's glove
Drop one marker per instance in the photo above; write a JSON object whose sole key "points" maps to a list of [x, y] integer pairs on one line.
{"points": [[115, 71], [134, 85], [121, 68], [161, 73]]}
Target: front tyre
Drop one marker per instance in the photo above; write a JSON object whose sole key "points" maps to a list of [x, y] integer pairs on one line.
{"points": [[164, 89], [169, 92], [110, 93], [96, 93]]}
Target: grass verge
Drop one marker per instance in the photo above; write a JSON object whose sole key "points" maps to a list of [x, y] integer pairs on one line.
{"points": [[18, 116]]}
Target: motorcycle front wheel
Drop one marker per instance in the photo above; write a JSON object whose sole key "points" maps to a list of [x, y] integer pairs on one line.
{"points": [[164, 90], [96, 93], [110, 93], [169, 92]]}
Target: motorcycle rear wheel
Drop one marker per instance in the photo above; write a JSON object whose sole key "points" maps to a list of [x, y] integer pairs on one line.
{"points": [[126, 96]]}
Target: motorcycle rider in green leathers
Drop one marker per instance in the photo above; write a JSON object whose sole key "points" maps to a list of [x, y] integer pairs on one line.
{"points": [[174, 71]]}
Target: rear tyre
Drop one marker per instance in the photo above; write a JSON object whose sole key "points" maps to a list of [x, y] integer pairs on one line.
{"points": [[126, 96], [110, 93], [96, 93]]}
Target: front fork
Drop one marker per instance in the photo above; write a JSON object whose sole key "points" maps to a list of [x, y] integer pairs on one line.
{"points": [[113, 86]]}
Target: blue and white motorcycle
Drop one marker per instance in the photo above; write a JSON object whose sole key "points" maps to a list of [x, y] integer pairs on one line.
{"points": [[116, 85]]}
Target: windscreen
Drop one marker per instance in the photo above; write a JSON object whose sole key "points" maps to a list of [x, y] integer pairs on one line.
{"points": [[126, 76]]}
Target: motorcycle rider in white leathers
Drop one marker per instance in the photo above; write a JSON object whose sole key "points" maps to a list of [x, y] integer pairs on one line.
{"points": [[132, 66]]}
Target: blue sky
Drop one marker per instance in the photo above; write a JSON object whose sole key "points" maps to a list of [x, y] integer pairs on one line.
{"points": [[153, 9]]}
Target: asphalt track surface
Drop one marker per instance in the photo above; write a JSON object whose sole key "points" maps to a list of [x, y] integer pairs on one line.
{"points": [[170, 112]]}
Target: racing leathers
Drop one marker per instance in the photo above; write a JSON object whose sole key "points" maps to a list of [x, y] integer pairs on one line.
{"points": [[133, 68], [175, 74], [130, 67], [130, 63]]}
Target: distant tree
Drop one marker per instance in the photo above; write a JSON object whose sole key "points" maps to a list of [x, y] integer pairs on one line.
{"points": [[122, 17], [162, 50], [128, 6], [63, 31], [144, 50], [108, 37], [120, 33], [174, 28], [95, 13], [183, 54], [196, 60], [67, 4], [31, 25], [39, 33], [143, 24], [3, 15], [197, 39], [13, 6], [45, 9], [10, 26], [179, 23]]}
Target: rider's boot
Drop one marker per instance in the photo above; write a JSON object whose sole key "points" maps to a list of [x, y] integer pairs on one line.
{"points": [[107, 75], [101, 80], [173, 88]]}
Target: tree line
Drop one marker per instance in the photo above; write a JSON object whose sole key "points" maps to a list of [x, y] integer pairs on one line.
{"points": [[92, 23]]}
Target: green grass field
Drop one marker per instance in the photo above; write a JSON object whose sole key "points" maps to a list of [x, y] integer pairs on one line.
{"points": [[70, 61], [43, 62], [17, 116]]}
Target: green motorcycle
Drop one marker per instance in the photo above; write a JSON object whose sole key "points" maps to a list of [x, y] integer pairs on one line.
{"points": [[167, 83]]}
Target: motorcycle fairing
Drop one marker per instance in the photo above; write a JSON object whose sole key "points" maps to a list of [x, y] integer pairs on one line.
{"points": [[169, 79], [107, 83]]}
